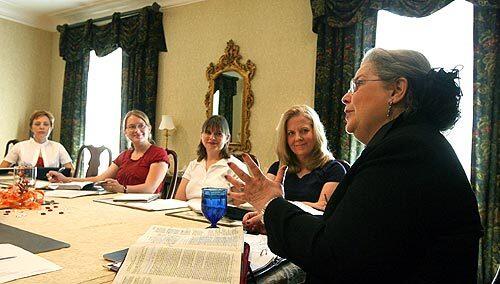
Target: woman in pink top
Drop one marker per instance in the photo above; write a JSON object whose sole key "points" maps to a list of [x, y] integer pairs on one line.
{"points": [[140, 169]]}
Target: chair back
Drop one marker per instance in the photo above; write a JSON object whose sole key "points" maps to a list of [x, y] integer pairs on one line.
{"points": [[345, 164], [10, 143], [170, 181], [94, 161]]}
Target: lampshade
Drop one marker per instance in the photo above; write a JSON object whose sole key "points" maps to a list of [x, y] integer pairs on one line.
{"points": [[166, 122]]}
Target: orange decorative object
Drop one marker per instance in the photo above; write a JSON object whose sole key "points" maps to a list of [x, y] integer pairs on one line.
{"points": [[18, 197]]}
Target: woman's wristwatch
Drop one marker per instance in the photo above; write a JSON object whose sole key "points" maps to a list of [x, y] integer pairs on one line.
{"points": [[263, 210], [124, 189]]}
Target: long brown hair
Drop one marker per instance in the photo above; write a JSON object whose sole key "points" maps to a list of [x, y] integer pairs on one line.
{"points": [[214, 123]]}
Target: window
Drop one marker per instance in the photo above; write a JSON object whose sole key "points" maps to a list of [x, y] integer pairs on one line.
{"points": [[445, 38], [103, 112]]}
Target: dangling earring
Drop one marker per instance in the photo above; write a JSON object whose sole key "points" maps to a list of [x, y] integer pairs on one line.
{"points": [[389, 109]]}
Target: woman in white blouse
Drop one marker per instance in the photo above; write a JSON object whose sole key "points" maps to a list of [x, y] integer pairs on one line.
{"points": [[210, 168], [39, 151]]}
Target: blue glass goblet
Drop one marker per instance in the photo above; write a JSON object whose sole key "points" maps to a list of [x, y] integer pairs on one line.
{"points": [[213, 204]]}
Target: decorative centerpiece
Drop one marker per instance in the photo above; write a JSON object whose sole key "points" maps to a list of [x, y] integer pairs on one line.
{"points": [[22, 194]]}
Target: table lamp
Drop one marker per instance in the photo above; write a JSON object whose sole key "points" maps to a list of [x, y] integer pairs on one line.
{"points": [[166, 124]]}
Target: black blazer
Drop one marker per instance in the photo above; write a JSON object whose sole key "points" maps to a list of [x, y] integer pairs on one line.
{"points": [[404, 213]]}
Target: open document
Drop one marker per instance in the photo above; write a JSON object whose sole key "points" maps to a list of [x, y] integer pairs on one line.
{"points": [[16, 263], [261, 258], [184, 255]]}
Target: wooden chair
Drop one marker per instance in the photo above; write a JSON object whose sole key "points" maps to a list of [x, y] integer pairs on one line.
{"points": [[10, 143], [94, 162], [170, 181]]}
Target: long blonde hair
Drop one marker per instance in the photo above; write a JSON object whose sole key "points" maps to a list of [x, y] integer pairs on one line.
{"points": [[320, 154]]}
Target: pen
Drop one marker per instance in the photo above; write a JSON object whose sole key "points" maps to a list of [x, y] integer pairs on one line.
{"points": [[326, 198], [7, 257]]}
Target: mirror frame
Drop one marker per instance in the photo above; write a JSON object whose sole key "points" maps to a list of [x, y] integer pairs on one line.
{"points": [[230, 61]]}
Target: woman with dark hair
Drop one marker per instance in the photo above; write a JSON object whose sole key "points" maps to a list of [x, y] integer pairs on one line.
{"points": [[210, 168], [405, 212], [140, 169]]}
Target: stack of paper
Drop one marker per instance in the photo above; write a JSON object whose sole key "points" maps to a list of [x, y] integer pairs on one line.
{"points": [[16, 263], [135, 197], [307, 208]]}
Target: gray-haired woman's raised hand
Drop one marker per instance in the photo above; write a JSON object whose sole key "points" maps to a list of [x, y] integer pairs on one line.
{"points": [[256, 189]]}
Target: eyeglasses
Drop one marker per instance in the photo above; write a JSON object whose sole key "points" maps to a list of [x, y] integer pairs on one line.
{"points": [[354, 84], [133, 127]]}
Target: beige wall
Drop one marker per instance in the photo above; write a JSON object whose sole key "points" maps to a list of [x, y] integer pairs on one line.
{"points": [[56, 85], [276, 35], [25, 64]]}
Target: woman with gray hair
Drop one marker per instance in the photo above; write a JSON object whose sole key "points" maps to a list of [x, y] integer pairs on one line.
{"points": [[405, 212]]}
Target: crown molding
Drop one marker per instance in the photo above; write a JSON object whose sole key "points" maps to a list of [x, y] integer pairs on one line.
{"points": [[100, 9], [17, 14]]}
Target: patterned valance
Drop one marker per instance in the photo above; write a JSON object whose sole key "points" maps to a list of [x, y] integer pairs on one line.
{"points": [[144, 30], [345, 13]]}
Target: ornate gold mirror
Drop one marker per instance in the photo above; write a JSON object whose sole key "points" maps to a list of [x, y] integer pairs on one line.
{"points": [[230, 94]]}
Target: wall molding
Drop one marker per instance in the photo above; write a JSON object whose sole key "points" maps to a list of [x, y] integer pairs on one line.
{"points": [[100, 9]]}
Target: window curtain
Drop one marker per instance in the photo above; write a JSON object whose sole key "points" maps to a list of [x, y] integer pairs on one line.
{"points": [[339, 54], [141, 38], [74, 99], [346, 28], [485, 178]]}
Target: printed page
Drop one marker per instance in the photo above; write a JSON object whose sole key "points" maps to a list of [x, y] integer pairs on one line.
{"points": [[159, 264], [218, 239], [183, 255]]}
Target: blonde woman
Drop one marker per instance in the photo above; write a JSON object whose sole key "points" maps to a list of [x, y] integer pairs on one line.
{"points": [[140, 169], [313, 174], [39, 151]]}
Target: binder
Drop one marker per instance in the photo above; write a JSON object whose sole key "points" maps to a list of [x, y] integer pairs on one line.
{"points": [[245, 264]]}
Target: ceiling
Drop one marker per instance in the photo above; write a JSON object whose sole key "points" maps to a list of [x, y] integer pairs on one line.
{"points": [[47, 14]]}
